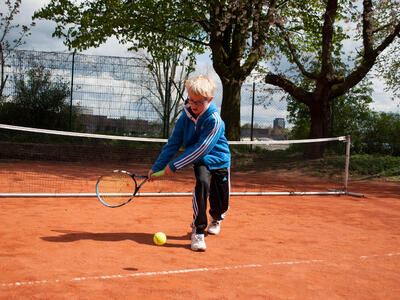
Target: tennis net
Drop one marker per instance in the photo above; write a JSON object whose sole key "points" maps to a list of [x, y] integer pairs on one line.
{"points": [[48, 163]]}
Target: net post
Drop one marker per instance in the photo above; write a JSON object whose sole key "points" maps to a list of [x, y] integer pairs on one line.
{"points": [[346, 173]]}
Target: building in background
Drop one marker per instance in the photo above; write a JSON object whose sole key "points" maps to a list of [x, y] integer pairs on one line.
{"points": [[279, 123]]}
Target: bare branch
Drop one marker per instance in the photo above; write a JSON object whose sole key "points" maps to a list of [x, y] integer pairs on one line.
{"points": [[296, 59], [366, 64], [296, 92]]}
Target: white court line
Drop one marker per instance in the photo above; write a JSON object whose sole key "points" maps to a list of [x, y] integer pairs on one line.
{"points": [[157, 273], [30, 283]]}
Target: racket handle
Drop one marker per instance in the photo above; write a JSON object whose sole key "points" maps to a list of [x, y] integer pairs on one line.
{"points": [[157, 174]]}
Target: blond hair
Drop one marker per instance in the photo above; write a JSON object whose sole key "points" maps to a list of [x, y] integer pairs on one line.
{"points": [[201, 85]]}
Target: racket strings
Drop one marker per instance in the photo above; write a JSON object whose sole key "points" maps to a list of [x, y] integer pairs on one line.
{"points": [[116, 188]]}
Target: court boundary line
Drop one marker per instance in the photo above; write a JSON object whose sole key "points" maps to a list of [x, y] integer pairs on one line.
{"points": [[156, 273]]}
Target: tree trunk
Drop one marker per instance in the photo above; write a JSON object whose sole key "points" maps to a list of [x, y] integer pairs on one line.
{"points": [[319, 128], [230, 108]]}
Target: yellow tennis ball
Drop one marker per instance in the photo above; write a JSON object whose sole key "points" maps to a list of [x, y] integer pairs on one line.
{"points": [[159, 238]]}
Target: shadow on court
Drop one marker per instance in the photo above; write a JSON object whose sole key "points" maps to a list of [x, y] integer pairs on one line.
{"points": [[141, 238]]}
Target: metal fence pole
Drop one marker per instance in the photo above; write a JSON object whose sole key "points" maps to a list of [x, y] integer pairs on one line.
{"points": [[252, 117], [165, 115], [72, 90], [168, 94]]}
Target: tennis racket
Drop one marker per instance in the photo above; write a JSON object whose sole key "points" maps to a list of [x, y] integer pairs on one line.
{"points": [[118, 187]]}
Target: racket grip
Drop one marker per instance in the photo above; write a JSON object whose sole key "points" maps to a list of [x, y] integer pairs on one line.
{"points": [[157, 174]]}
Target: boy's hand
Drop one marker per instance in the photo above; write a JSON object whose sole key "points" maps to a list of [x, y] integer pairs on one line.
{"points": [[149, 175], [168, 171]]}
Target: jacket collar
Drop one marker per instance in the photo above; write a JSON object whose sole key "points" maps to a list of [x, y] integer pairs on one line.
{"points": [[206, 112]]}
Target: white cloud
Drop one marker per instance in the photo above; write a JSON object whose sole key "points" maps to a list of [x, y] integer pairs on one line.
{"points": [[383, 101], [41, 35]]}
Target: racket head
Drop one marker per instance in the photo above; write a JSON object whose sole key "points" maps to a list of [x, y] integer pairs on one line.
{"points": [[116, 188]]}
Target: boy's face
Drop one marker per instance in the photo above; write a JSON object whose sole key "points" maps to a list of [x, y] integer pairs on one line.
{"points": [[198, 102]]}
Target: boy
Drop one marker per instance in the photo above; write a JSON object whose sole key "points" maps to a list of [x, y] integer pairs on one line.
{"points": [[201, 130]]}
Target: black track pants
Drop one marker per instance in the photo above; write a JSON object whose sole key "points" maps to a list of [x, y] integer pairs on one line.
{"points": [[216, 185]]}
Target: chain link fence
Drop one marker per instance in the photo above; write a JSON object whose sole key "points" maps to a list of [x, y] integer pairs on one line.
{"points": [[109, 93]]}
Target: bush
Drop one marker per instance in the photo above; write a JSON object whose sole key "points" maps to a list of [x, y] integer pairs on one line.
{"points": [[381, 165]]}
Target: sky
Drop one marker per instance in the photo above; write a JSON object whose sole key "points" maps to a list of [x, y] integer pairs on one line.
{"points": [[41, 40]]}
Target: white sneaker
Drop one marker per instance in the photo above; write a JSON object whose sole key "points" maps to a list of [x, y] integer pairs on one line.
{"points": [[198, 243], [214, 227]]}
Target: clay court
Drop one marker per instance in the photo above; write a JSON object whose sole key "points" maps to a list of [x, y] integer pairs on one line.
{"points": [[270, 247]]}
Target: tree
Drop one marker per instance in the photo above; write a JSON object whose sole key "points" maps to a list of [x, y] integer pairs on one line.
{"points": [[235, 31], [348, 116], [39, 101], [169, 76], [310, 39], [6, 28], [381, 133]]}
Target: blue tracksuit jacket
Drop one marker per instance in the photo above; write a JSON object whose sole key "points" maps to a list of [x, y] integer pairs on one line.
{"points": [[203, 138]]}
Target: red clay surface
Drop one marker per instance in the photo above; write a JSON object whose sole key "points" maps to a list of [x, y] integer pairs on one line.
{"points": [[270, 247]]}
